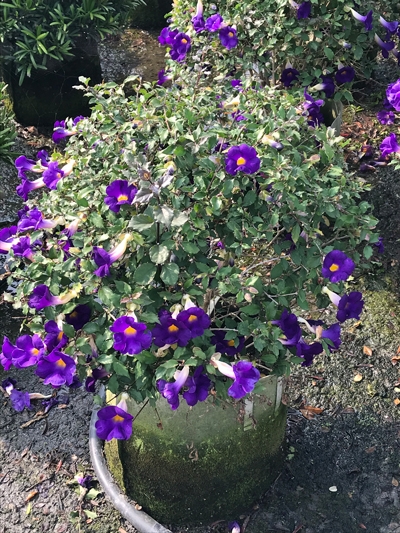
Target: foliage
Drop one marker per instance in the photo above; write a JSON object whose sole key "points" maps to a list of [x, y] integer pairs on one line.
{"points": [[270, 36], [35, 31], [7, 126], [168, 142]]}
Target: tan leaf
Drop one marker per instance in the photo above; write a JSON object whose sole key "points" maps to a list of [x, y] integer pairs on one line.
{"points": [[396, 401], [395, 359], [358, 377], [31, 495], [371, 449], [367, 350], [395, 483]]}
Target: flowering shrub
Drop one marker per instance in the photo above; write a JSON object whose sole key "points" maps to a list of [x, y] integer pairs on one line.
{"points": [[7, 127], [312, 39], [166, 258]]}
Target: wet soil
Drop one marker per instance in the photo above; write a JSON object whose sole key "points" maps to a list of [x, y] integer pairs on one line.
{"points": [[342, 472]]}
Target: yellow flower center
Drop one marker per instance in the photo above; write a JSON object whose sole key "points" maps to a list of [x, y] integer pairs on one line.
{"points": [[122, 198], [184, 41], [118, 418], [192, 318], [241, 161], [230, 34], [344, 72], [35, 351], [74, 314], [289, 74], [59, 336], [230, 343], [130, 331], [334, 267], [60, 363], [173, 328]]}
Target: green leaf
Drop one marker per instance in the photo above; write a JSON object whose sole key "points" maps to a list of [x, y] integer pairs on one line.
{"points": [[170, 273], [159, 254], [145, 273], [250, 198], [190, 247], [164, 215], [108, 297], [141, 222], [251, 310], [329, 53], [120, 369], [96, 220]]}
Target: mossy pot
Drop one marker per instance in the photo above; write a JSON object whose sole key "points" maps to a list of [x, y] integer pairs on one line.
{"points": [[200, 464]]}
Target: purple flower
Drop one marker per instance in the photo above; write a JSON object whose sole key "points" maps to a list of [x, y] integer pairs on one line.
{"points": [[289, 75], [61, 133], [327, 85], [345, 75], [198, 386], [97, 373], [42, 297], [385, 47], [79, 316], [84, 481], [52, 175], [198, 20], [180, 47], [308, 351], [313, 109], [22, 248], [389, 145], [389, 26], [385, 117], [380, 245], [228, 37], [367, 150], [226, 346], [233, 527], [56, 369], [119, 192], [34, 220], [170, 331], [244, 374], [289, 325], [7, 239], [167, 36], [242, 158], [28, 351], [170, 391], [393, 95], [349, 305], [78, 119], [304, 10], [337, 266], [365, 19], [195, 319], [130, 336], [23, 164], [27, 186], [55, 337], [104, 259], [162, 77], [114, 422], [333, 334], [6, 353], [8, 385], [214, 22], [20, 400], [236, 83]]}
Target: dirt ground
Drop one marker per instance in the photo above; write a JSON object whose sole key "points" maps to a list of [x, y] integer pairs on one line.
{"points": [[342, 472]]}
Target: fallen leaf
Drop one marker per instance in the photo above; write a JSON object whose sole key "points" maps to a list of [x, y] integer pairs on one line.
{"points": [[362, 526], [367, 350], [358, 377], [395, 359], [309, 412], [396, 401], [371, 449], [395, 483], [121, 530], [31, 495], [347, 411]]}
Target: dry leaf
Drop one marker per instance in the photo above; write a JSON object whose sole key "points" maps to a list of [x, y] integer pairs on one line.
{"points": [[371, 449], [395, 483], [362, 526], [121, 530], [395, 359], [396, 401], [31, 495], [358, 377], [367, 350], [309, 412]]}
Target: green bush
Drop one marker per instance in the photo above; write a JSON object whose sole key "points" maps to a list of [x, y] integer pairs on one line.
{"points": [[7, 126], [275, 226], [34, 31]]}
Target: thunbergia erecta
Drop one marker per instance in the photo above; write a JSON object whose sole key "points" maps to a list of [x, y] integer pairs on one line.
{"points": [[198, 387], [105, 259], [114, 422], [180, 47], [170, 391], [242, 158], [119, 192], [289, 75], [56, 369], [244, 374], [337, 266], [349, 305], [214, 22], [385, 117], [226, 346], [386, 47], [130, 336], [170, 331], [79, 316], [389, 145], [290, 327], [198, 20], [228, 37], [7, 239], [41, 297], [344, 74], [365, 19], [393, 95]]}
